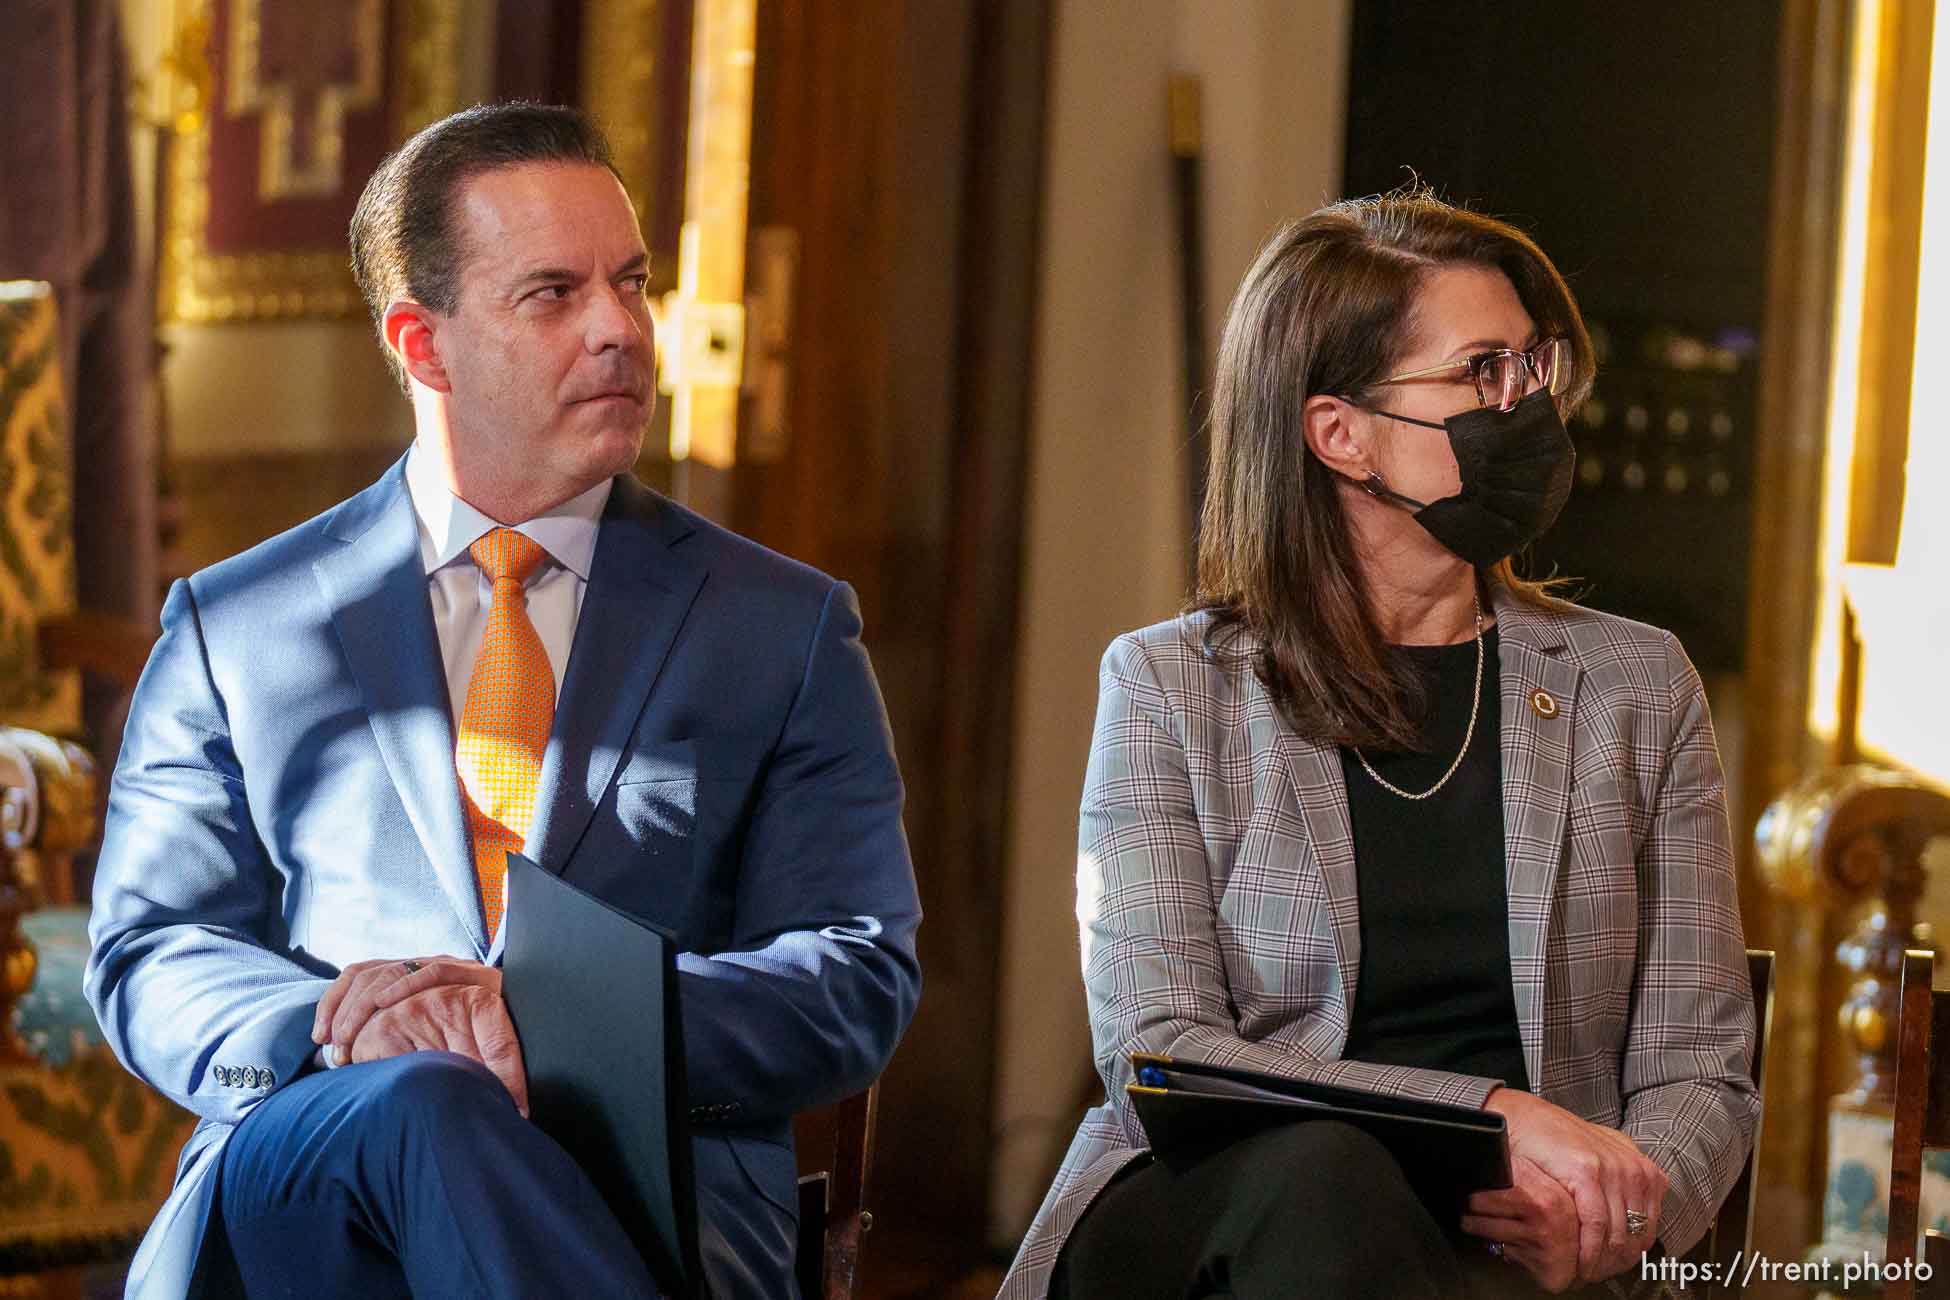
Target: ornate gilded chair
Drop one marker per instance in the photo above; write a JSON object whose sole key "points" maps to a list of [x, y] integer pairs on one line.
{"points": [[86, 1152], [1858, 837]]}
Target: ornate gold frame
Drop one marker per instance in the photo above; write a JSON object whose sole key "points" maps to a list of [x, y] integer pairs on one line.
{"points": [[197, 286]]}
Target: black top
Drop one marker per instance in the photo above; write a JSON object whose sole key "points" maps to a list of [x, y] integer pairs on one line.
{"points": [[1434, 986]]}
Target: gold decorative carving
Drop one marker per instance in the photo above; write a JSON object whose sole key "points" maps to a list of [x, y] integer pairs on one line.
{"points": [[37, 573], [717, 182], [67, 819], [426, 86], [302, 143], [1843, 831], [620, 43], [197, 286]]}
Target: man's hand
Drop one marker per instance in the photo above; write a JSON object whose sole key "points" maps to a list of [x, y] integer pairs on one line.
{"points": [[384, 1008], [1602, 1169], [466, 1018], [368, 986], [1535, 1221]]}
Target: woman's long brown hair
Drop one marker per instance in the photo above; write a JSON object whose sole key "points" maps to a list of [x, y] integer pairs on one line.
{"points": [[1327, 308]]}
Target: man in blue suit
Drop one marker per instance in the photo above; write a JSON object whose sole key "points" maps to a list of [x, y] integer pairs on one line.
{"points": [[295, 908]]}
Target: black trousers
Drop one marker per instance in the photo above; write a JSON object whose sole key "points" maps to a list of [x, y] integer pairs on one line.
{"points": [[1316, 1209]]}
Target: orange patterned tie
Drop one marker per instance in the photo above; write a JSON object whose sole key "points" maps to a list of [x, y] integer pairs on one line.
{"points": [[505, 723]]}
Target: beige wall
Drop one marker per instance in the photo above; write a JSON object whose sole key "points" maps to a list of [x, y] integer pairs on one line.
{"points": [[1105, 549], [280, 386]]}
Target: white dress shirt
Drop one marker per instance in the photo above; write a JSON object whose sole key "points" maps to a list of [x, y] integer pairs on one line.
{"points": [[461, 593]]}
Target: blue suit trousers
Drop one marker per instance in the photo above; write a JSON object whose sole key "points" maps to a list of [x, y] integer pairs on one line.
{"points": [[414, 1176]]}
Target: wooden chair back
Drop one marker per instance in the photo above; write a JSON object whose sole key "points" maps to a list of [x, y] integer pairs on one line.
{"points": [[100, 645], [1922, 1124], [1732, 1233], [836, 1144]]}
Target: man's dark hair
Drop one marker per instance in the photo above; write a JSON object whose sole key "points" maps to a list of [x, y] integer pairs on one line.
{"points": [[403, 238]]}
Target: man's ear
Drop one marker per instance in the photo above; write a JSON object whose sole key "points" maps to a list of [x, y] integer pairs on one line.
{"points": [[1329, 424], [410, 333]]}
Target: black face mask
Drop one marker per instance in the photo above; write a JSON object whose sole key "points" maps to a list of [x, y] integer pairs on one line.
{"points": [[1516, 474]]}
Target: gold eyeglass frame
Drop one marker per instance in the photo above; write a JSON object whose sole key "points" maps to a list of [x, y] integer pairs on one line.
{"points": [[1476, 362]]}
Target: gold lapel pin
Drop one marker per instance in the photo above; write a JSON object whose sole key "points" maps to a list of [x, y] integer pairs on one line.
{"points": [[1543, 703]]}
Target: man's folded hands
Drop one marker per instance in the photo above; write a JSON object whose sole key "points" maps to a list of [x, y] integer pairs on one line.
{"points": [[377, 1009]]}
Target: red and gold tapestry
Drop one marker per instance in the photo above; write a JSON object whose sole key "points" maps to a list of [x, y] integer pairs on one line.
{"points": [[288, 108]]}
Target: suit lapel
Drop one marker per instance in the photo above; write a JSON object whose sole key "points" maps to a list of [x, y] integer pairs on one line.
{"points": [[641, 588], [1538, 705], [1321, 791], [376, 588]]}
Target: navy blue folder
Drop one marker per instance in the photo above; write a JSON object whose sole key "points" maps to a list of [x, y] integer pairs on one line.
{"points": [[592, 992], [1190, 1108]]}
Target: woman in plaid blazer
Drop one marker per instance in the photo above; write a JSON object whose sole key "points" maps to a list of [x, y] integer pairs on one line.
{"points": [[1285, 814]]}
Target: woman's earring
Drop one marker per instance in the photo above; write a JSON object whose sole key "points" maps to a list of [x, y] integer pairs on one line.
{"points": [[1375, 486]]}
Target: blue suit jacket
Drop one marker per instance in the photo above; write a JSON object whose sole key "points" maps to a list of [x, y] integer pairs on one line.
{"points": [[285, 804]]}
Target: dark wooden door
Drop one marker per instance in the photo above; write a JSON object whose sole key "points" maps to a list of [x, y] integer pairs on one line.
{"points": [[895, 168], [901, 144]]}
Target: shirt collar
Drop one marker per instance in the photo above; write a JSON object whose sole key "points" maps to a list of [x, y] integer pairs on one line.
{"points": [[448, 525]]}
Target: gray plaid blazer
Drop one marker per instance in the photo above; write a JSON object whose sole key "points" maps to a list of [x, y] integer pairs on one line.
{"points": [[1217, 898]]}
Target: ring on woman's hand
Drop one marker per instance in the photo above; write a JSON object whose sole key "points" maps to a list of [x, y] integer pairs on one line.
{"points": [[1635, 1223], [1496, 1249], [412, 966]]}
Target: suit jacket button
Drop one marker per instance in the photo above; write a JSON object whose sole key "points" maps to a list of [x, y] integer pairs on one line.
{"points": [[223, 1076], [250, 1077], [265, 1079]]}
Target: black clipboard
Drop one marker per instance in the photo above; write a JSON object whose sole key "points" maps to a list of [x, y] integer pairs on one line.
{"points": [[1190, 1109], [592, 992]]}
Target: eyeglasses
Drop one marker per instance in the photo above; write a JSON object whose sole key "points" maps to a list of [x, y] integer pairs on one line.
{"points": [[1503, 377]]}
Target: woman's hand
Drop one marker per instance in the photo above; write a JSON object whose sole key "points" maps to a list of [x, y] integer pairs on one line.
{"points": [[1604, 1172], [1535, 1222]]}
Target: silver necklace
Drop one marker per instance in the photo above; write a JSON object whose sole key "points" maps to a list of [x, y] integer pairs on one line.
{"points": [[1475, 701]]}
